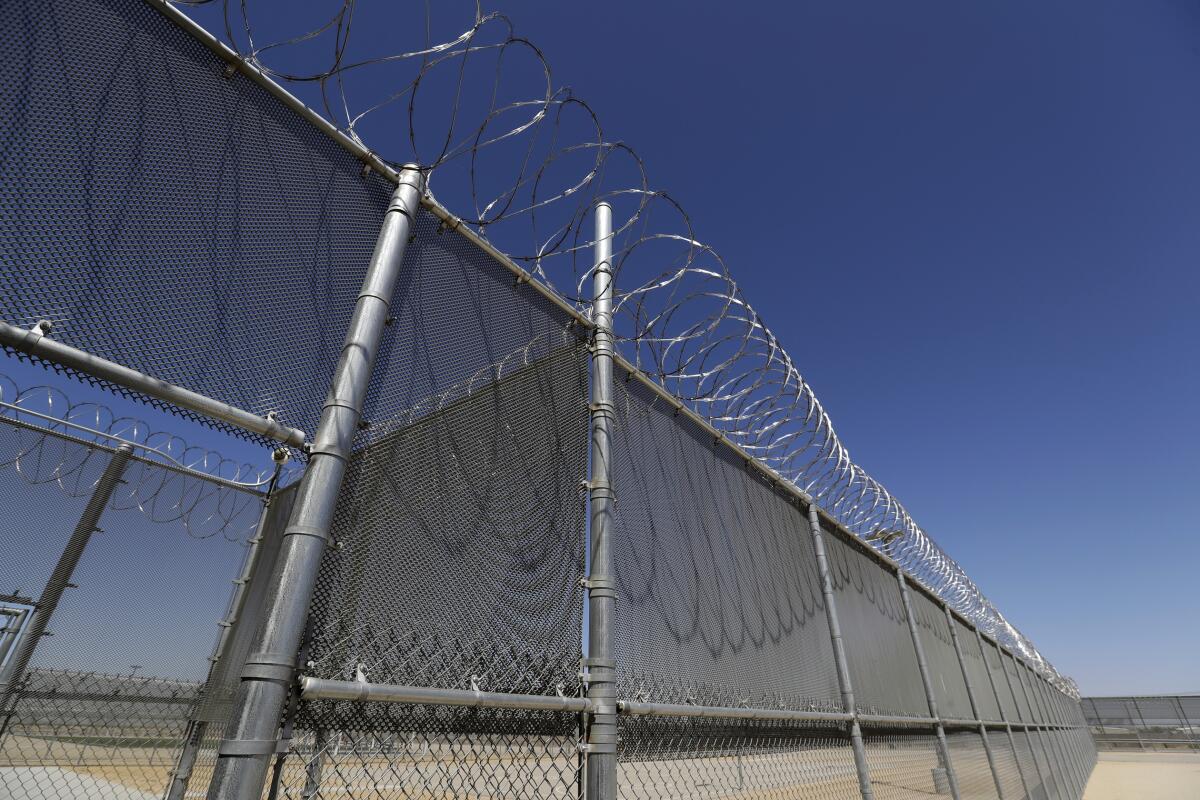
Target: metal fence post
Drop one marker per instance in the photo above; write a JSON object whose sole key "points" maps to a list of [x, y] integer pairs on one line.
{"points": [[839, 655], [1008, 680], [233, 627], [251, 738], [601, 669], [962, 666], [14, 672], [931, 701], [1012, 741]]}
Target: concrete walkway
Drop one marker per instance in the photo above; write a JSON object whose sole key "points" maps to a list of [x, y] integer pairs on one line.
{"points": [[1145, 776]]}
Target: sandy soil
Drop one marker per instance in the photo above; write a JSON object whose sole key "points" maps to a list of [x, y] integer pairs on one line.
{"points": [[1145, 776]]}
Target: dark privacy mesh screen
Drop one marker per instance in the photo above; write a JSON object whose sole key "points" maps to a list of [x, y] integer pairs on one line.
{"points": [[1142, 723], [718, 597], [991, 658], [460, 526], [460, 539], [1029, 765], [1006, 764], [109, 692], [460, 542], [975, 781], [879, 647], [1024, 685], [134, 176], [985, 698], [945, 672], [1010, 678]]}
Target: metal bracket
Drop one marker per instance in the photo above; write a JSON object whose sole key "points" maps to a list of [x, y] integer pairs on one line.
{"points": [[270, 667], [248, 747], [306, 530], [600, 587]]}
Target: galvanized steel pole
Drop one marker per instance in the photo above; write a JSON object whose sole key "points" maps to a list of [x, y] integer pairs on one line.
{"points": [[601, 668], [839, 654], [14, 672], [987, 745], [197, 728], [251, 737], [37, 343], [931, 701], [1012, 742]]}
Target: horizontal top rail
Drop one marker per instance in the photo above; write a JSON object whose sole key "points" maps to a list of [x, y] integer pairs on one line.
{"points": [[639, 709], [360, 691], [315, 689], [37, 343]]}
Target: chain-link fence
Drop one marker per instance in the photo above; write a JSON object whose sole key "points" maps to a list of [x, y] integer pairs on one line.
{"points": [[1144, 722], [126, 567], [514, 566]]}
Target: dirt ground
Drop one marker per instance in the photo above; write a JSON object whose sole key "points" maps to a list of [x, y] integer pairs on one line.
{"points": [[1145, 776]]}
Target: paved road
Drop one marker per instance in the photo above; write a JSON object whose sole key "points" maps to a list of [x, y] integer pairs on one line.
{"points": [[55, 783], [1145, 776]]}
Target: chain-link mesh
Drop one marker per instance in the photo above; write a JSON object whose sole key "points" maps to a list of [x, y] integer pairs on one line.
{"points": [[1008, 683], [91, 734], [985, 698], [994, 664], [1144, 723], [719, 600], [971, 768], [459, 544], [1027, 686], [348, 751], [677, 759], [1037, 743], [905, 765], [475, 512], [1006, 764], [879, 646], [1030, 765], [140, 177], [945, 673], [104, 704]]}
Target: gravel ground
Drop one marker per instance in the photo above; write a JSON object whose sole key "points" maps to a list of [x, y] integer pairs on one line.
{"points": [[1145, 776]]}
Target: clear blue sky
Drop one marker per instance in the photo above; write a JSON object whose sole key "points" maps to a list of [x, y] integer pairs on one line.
{"points": [[976, 226]]}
